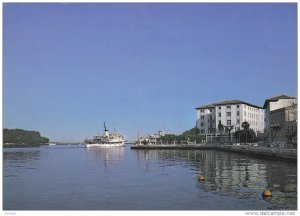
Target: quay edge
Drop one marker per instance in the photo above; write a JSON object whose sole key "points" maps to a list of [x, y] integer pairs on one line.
{"points": [[268, 152]]}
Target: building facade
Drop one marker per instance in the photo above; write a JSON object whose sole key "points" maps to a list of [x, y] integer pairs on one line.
{"points": [[281, 121], [283, 127], [276, 103], [229, 113]]}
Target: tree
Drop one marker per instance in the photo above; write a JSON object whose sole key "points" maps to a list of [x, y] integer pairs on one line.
{"points": [[245, 135], [192, 135], [220, 127], [229, 129], [19, 136], [245, 125], [191, 132]]}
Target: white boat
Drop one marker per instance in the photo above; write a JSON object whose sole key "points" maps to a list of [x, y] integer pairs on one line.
{"points": [[106, 140]]}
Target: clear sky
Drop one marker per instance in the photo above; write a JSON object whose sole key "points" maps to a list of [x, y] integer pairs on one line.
{"points": [[140, 67]]}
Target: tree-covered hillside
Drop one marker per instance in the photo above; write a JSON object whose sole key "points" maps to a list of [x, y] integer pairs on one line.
{"points": [[192, 135], [19, 136]]}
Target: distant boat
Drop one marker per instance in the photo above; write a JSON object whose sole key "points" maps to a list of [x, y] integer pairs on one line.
{"points": [[106, 140], [52, 144]]}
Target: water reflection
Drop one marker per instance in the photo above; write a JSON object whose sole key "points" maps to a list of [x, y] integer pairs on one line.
{"points": [[108, 156], [16, 162], [233, 174]]}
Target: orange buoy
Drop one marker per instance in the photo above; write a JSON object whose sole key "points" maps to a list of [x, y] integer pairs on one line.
{"points": [[268, 199], [267, 193], [202, 178]]}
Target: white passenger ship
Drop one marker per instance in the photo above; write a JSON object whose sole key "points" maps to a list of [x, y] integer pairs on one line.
{"points": [[106, 140]]}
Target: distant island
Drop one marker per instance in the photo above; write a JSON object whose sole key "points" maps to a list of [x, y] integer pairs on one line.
{"points": [[23, 137]]}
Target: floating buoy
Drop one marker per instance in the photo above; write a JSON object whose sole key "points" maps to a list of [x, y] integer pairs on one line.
{"points": [[267, 198], [202, 178], [267, 193]]}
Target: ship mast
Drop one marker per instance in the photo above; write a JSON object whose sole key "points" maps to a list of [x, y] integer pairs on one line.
{"points": [[106, 134], [105, 127]]}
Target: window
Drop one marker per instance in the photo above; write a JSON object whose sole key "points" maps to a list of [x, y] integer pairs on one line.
{"points": [[228, 114], [220, 122], [244, 113], [202, 111], [219, 108], [228, 122], [219, 114], [237, 106], [228, 107], [238, 121], [202, 117], [238, 113], [202, 124]]}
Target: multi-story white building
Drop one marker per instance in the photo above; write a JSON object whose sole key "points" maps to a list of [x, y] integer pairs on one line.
{"points": [[229, 113]]}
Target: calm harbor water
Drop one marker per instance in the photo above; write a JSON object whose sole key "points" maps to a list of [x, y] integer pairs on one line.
{"points": [[72, 177]]}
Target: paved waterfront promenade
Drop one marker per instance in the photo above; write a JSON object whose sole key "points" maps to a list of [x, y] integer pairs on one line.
{"points": [[275, 153]]}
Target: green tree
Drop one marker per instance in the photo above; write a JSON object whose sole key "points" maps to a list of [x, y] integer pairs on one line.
{"points": [[228, 130], [191, 132], [246, 135], [245, 125], [220, 127], [168, 138], [191, 135], [19, 136]]}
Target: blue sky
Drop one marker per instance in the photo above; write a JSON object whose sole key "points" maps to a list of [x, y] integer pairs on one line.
{"points": [[143, 67]]}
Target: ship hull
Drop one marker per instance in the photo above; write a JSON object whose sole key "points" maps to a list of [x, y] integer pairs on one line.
{"points": [[118, 144]]}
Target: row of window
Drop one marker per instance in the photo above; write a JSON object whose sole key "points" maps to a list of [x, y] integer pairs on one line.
{"points": [[228, 123], [253, 109], [229, 107], [277, 119], [252, 115], [229, 114], [237, 106], [291, 128], [254, 123]]}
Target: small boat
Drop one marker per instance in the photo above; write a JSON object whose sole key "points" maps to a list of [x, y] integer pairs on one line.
{"points": [[106, 140], [52, 144]]}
